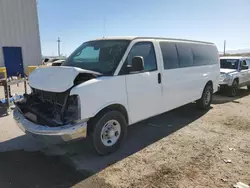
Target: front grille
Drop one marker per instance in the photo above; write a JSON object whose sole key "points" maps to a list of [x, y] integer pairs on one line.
{"points": [[51, 97]]}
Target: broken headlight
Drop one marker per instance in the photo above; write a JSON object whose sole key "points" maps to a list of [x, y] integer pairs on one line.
{"points": [[73, 112]]}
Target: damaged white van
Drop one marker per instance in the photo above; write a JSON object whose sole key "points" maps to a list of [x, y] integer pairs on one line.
{"points": [[108, 84]]}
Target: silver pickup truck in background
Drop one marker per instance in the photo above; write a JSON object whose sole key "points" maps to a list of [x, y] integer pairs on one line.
{"points": [[234, 73]]}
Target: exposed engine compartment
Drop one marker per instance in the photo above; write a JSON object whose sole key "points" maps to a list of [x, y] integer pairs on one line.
{"points": [[53, 108], [45, 108]]}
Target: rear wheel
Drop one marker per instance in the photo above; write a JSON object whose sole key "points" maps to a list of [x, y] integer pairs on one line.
{"points": [[109, 132], [205, 101], [233, 90]]}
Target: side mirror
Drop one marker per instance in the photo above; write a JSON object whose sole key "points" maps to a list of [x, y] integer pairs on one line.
{"points": [[244, 67], [137, 64]]}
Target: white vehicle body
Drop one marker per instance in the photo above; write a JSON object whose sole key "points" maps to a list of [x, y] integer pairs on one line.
{"points": [[138, 95], [228, 75]]}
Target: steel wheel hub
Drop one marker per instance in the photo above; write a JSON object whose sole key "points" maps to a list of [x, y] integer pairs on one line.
{"points": [[110, 132], [207, 97]]}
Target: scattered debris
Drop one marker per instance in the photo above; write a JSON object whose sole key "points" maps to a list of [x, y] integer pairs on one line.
{"points": [[224, 180], [227, 160], [232, 149], [241, 185]]}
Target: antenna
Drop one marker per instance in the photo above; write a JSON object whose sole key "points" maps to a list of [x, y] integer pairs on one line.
{"points": [[104, 26], [225, 42], [58, 46]]}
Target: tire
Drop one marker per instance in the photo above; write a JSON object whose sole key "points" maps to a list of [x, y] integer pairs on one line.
{"points": [[105, 140], [248, 87], [205, 101], [233, 90]]}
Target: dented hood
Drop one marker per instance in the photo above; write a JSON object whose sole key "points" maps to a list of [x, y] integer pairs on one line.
{"points": [[227, 71], [56, 79]]}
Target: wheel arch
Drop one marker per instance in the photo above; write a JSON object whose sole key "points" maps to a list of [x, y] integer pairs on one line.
{"points": [[210, 82], [237, 79], [115, 106]]}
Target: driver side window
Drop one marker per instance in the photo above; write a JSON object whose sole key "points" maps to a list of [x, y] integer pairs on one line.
{"points": [[243, 63], [146, 50], [248, 62]]}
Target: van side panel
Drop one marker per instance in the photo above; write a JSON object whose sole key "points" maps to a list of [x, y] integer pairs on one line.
{"points": [[96, 94], [185, 75]]}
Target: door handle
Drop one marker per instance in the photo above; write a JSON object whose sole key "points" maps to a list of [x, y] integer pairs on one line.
{"points": [[159, 78]]}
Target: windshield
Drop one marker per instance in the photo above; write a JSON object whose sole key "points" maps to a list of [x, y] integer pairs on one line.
{"points": [[229, 63], [101, 56]]}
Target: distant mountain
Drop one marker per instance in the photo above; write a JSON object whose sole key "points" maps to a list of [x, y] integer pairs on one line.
{"points": [[240, 51]]}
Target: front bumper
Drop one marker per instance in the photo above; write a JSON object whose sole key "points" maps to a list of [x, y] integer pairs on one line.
{"points": [[47, 134], [224, 82]]}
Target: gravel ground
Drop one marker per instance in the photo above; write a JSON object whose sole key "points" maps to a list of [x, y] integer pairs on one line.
{"points": [[194, 155], [181, 148]]}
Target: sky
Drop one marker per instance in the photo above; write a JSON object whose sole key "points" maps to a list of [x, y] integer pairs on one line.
{"points": [[77, 21]]}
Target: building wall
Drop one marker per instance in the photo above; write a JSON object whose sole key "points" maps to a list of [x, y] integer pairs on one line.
{"points": [[19, 28]]}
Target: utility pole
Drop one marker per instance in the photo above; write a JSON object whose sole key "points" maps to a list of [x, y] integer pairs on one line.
{"points": [[225, 42], [58, 46]]}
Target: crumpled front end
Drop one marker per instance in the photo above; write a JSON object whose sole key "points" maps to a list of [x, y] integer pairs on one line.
{"points": [[50, 117], [50, 108], [49, 134], [50, 112]]}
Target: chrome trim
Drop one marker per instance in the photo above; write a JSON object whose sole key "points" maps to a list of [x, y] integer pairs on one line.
{"points": [[70, 130]]}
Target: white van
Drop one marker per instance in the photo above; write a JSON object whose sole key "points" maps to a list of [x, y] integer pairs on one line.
{"points": [[108, 84]]}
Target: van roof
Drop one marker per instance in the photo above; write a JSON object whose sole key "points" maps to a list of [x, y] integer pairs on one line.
{"points": [[233, 57], [158, 38]]}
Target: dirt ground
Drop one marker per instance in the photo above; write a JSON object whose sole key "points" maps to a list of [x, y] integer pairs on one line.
{"points": [[19, 169], [192, 156], [180, 149]]}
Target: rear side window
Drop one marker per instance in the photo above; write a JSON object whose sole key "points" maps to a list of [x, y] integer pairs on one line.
{"points": [[185, 55], [180, 55], [169, 54], [204, 54], [199, 55], [212, 54]]}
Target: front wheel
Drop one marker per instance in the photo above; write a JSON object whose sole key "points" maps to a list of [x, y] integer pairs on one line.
{"points": [[233, 90], [109, 132], [206, 99]]}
